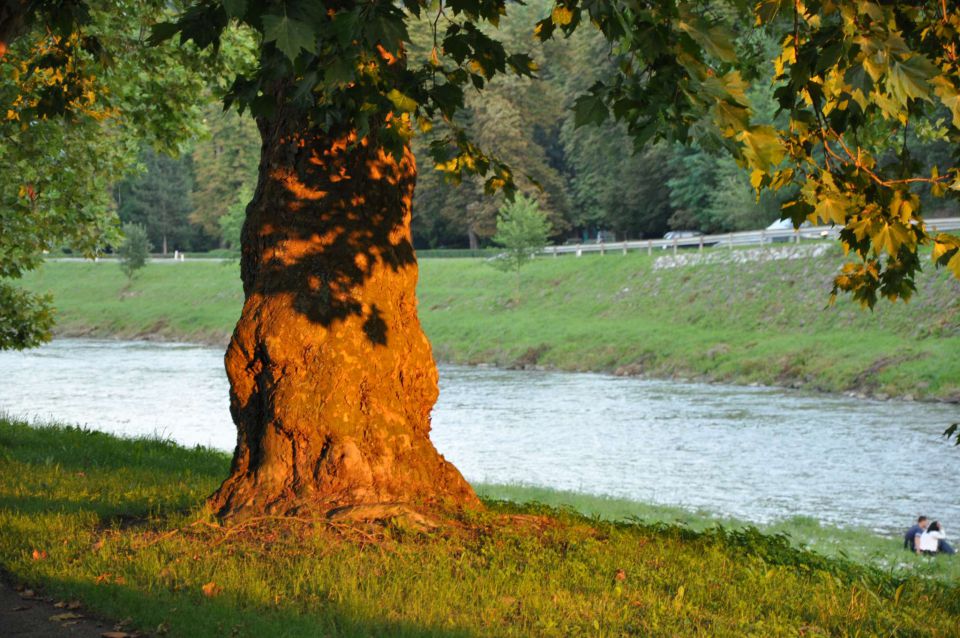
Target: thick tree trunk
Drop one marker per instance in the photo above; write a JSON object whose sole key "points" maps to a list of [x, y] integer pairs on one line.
{"points": [[332, 379]]}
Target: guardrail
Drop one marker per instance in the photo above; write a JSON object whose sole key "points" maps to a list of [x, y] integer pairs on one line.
{"points": [[731, 240]]}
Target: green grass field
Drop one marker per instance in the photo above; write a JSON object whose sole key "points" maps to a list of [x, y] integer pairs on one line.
{"points": [[762, 322], [119, 524]]}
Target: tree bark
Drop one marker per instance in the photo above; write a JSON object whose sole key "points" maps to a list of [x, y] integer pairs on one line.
{"points": [[332, 379]]}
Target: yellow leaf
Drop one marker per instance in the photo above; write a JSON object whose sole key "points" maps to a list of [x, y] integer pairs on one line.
{"points": [[954, 265], [832, 207], [890, 238], [211, 589], [561, 16]]}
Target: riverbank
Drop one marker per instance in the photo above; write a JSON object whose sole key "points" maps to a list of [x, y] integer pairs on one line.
{"points": [[762, 319], [114, 523]]}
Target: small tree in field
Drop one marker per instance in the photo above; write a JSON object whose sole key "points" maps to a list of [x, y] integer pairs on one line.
{"points": [[134, 249], [522, 229]]}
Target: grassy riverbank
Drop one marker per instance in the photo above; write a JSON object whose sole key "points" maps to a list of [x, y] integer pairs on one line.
{"points": [[114, 523], [754, 322]]}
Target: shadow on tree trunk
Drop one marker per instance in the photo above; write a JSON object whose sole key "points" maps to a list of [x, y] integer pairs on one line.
{"points": [[332, 379]]}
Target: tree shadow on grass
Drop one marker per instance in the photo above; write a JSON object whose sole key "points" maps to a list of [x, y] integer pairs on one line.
{"points": [[190, 613]]}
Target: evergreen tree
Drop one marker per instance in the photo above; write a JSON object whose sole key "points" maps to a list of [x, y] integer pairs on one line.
{"points": [[522, 230], [159, 200], [133, 250]]}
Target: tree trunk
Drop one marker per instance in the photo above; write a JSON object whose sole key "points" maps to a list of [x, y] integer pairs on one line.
{"points": [[164, 245], [332, 379], [472, 238]]}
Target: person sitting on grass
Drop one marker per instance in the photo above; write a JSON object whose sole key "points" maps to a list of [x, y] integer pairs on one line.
{"points": [[934, 541], [913, 534]]}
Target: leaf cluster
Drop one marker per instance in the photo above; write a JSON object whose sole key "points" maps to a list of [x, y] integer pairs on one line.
{"points": [[345, 66], [850, 77]]}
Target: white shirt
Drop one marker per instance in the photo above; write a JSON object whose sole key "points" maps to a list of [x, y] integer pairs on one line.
{"points": [[929, 541]]}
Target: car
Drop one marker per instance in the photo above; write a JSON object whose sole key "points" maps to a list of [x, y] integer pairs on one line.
{"points": [[682, 234], [787, 224]]}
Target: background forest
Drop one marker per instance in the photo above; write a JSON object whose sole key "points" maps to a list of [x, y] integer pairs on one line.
{"points": [[586, 179]]}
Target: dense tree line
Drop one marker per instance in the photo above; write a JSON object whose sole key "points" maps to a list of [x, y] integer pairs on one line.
{"points": [[586, 179]]}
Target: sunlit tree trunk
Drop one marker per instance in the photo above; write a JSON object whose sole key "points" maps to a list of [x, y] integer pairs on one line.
{"points": [[332, 379]]}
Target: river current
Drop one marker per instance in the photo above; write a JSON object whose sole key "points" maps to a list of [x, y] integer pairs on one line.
{"points": [[754, 453]]}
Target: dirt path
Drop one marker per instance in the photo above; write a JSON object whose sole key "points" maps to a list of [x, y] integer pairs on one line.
{"points": [[25, 614]]}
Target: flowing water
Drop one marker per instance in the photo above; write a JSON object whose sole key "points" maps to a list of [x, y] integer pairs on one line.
{"points": [[755, 453]]}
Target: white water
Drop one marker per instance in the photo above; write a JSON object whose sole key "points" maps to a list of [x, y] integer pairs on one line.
{"points": [[754, 453]]}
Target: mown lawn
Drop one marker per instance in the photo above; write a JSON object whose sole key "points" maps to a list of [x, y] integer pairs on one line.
{"points": [[758, 322], [117, 524]]}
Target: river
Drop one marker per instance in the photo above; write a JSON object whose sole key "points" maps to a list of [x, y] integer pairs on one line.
{"points": [[754, 453]]}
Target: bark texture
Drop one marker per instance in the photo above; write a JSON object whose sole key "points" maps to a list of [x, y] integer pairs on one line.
{"points": [[332, 379]]}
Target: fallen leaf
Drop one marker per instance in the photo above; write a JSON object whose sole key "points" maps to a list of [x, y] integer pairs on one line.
{"points": [[28, 593], [621, 575], [210, 589], [116, 634], [66, 616], [21, 608], [38, 555]]}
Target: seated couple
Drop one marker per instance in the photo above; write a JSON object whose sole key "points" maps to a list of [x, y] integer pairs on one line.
{"points": [[927, 538]]}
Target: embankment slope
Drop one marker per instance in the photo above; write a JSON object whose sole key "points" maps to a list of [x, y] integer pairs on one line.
{"points": [[733, 316]]}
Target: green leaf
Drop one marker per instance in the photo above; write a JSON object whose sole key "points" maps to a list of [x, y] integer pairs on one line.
{"points": [[404, 103], [341, 71], [762, 147], [910, 78], [589, 109], [291, 36], [235, 8], [730, 118], [950, 97], [714, 39]]}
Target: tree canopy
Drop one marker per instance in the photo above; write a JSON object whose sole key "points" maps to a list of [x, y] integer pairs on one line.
{"points": [[81, 93], [840, 111], [851, 77]]}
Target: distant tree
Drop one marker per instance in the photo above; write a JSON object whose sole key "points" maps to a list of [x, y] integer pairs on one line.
{"points": [[159, 200], [134, 249], [232, 222], [77, 102], [223, 162], [616, 187], [523, 230]]}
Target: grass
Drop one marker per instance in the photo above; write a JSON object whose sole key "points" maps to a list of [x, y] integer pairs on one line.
{"points": [[861, 545], [116, 523], [758, 322]]}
